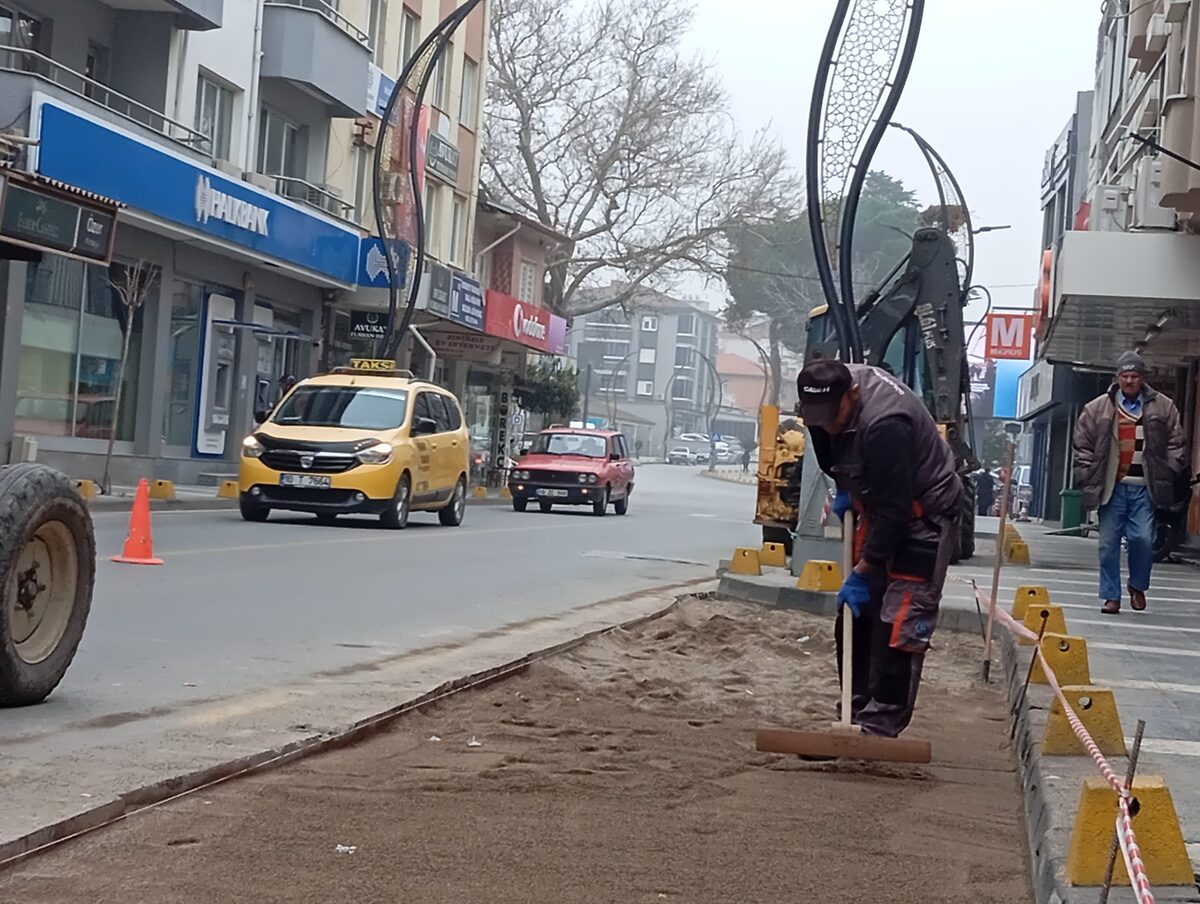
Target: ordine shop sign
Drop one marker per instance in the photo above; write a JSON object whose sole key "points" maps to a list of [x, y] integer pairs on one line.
{"points": [[519, 321]]}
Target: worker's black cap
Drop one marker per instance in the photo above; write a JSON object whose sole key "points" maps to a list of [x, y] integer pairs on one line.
{"points": [[821, 385]]}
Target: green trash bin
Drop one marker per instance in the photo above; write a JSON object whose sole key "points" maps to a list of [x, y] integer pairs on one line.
{"points": [[1072, 509]]}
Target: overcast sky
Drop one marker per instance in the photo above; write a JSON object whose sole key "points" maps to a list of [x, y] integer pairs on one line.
{"points": [[993, 85]]}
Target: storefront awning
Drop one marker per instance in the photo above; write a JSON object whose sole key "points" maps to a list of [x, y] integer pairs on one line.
{"points": [[1117, 290]]}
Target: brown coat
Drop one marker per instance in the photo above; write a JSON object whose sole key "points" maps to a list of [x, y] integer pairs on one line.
{"points": [[1096, 457]]}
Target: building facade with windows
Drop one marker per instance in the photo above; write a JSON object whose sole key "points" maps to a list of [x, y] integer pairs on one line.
{"points": [[655, 362], [1128, 275], [1050, 395], [230, 134]]}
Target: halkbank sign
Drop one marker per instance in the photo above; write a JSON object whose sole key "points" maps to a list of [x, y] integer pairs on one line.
{"points": [[212, 203], [151, 177]]}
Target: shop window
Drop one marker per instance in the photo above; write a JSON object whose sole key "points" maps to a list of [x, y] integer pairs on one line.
{"points": [[183, 353], [24, 32], [411, 32], [280, 146], [72, 336], [363, 174], [469, 101], [214, 116], [458, 225], [527, 288], [441, 79], [433, 220]]}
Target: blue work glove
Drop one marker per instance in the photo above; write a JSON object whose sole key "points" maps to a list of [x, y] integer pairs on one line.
{"points": [[841, 504], [855, 593]]}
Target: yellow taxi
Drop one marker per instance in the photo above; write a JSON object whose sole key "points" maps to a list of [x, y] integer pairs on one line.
{"points": [[359, 440]]}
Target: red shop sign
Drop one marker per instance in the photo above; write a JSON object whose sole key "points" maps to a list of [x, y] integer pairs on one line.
{"points": [[517, 321]]}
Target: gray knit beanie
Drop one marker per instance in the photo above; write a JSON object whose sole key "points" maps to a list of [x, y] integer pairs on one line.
{"points": [[1131, 360]]}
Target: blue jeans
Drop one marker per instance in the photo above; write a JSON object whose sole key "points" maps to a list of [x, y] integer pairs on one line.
{"points": [[1129, 514]]}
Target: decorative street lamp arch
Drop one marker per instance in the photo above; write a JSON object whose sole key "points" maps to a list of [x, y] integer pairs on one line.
{"points": [[863, 68], [390, 190]]}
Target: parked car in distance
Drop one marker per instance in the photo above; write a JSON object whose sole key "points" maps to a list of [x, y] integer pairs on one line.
{"points": [[574, 466], [681, 455]]}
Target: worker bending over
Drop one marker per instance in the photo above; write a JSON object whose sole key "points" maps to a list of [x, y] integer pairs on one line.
{"points": [[879, 443]]}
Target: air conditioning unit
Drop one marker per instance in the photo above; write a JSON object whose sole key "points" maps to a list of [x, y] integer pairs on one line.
{"points": [[1156, 34], [266, 183], [228, 168], [1110, 212], [1148, 212], [335, 202], [391, 188], [23, 448], [1176, 10], [1153, 108]]}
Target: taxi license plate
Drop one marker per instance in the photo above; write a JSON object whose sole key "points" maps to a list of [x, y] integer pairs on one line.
{"points": [[311, 481], [555, 493]]}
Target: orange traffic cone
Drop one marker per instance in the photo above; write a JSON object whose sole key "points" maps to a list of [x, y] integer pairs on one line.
{"points": [[139, 545]]}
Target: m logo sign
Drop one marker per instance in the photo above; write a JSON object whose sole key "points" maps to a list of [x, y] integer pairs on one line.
{"points": [[1009, 337]]}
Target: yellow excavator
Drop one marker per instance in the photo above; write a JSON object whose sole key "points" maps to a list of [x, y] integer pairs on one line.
{"points": [[915, 331]]}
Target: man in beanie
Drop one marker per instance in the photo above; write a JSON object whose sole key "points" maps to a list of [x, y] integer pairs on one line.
{"points": [[1129, 453], [880, 444]]}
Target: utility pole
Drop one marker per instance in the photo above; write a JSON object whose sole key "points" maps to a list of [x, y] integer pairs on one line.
{"points": [[587, 392]]}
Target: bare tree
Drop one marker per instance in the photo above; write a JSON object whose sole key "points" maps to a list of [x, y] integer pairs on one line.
{"points": [[132, 285], [599, 127]]}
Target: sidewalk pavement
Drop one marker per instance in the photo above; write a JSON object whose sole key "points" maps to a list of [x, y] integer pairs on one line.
{"points": [[1150, 660], [730, 475]]}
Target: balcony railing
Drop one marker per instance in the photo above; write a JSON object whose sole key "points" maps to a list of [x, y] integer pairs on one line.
{"points": [[329, 12], [30, 62], [314, 196]]}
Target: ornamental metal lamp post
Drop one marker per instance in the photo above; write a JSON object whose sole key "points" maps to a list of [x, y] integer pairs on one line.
{"points": [[398, 181]]}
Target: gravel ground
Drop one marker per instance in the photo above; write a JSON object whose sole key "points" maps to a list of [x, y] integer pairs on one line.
{"points": [[622, 772]]}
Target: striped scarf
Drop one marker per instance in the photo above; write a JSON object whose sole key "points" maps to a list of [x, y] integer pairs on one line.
{"points": [[1130, 444]]}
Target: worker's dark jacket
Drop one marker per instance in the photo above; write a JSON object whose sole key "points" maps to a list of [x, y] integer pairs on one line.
{"points": [[893, 462], [1164, 457]]}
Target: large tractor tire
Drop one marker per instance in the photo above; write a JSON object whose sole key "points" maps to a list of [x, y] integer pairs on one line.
{"points": [[47, 569], [965, 548]]}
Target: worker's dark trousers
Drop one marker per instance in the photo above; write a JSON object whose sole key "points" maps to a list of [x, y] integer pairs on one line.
{"points": [[893, 631]]}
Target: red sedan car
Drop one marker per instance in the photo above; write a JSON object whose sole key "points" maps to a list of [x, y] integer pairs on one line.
{"points": [[569, 466]]}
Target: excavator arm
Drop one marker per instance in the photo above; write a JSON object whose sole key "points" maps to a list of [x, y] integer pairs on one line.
{"points": [[927, 297]]}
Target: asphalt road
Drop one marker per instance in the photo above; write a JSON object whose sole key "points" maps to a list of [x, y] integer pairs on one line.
{"points": [[241, 615]]}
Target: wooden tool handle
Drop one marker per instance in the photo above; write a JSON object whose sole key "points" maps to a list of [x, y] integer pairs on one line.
{"points": [[847, 620]]}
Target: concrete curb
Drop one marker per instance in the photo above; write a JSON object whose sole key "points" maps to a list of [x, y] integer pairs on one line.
{"points": [[168, 789], [735, 587], [1045, 855], [1049, 811], [730, 477]]}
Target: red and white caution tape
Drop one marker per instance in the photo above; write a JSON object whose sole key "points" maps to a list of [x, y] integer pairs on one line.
{"points": [[1125, 835], [827, 509]]}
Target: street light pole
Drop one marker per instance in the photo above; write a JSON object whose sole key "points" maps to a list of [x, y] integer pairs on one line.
{"points": [[587, 392]]}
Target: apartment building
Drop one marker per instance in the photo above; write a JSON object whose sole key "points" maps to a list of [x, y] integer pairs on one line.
{"points": [[653, 366], [231, 137], [1128, 275], [1050, 395]]}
